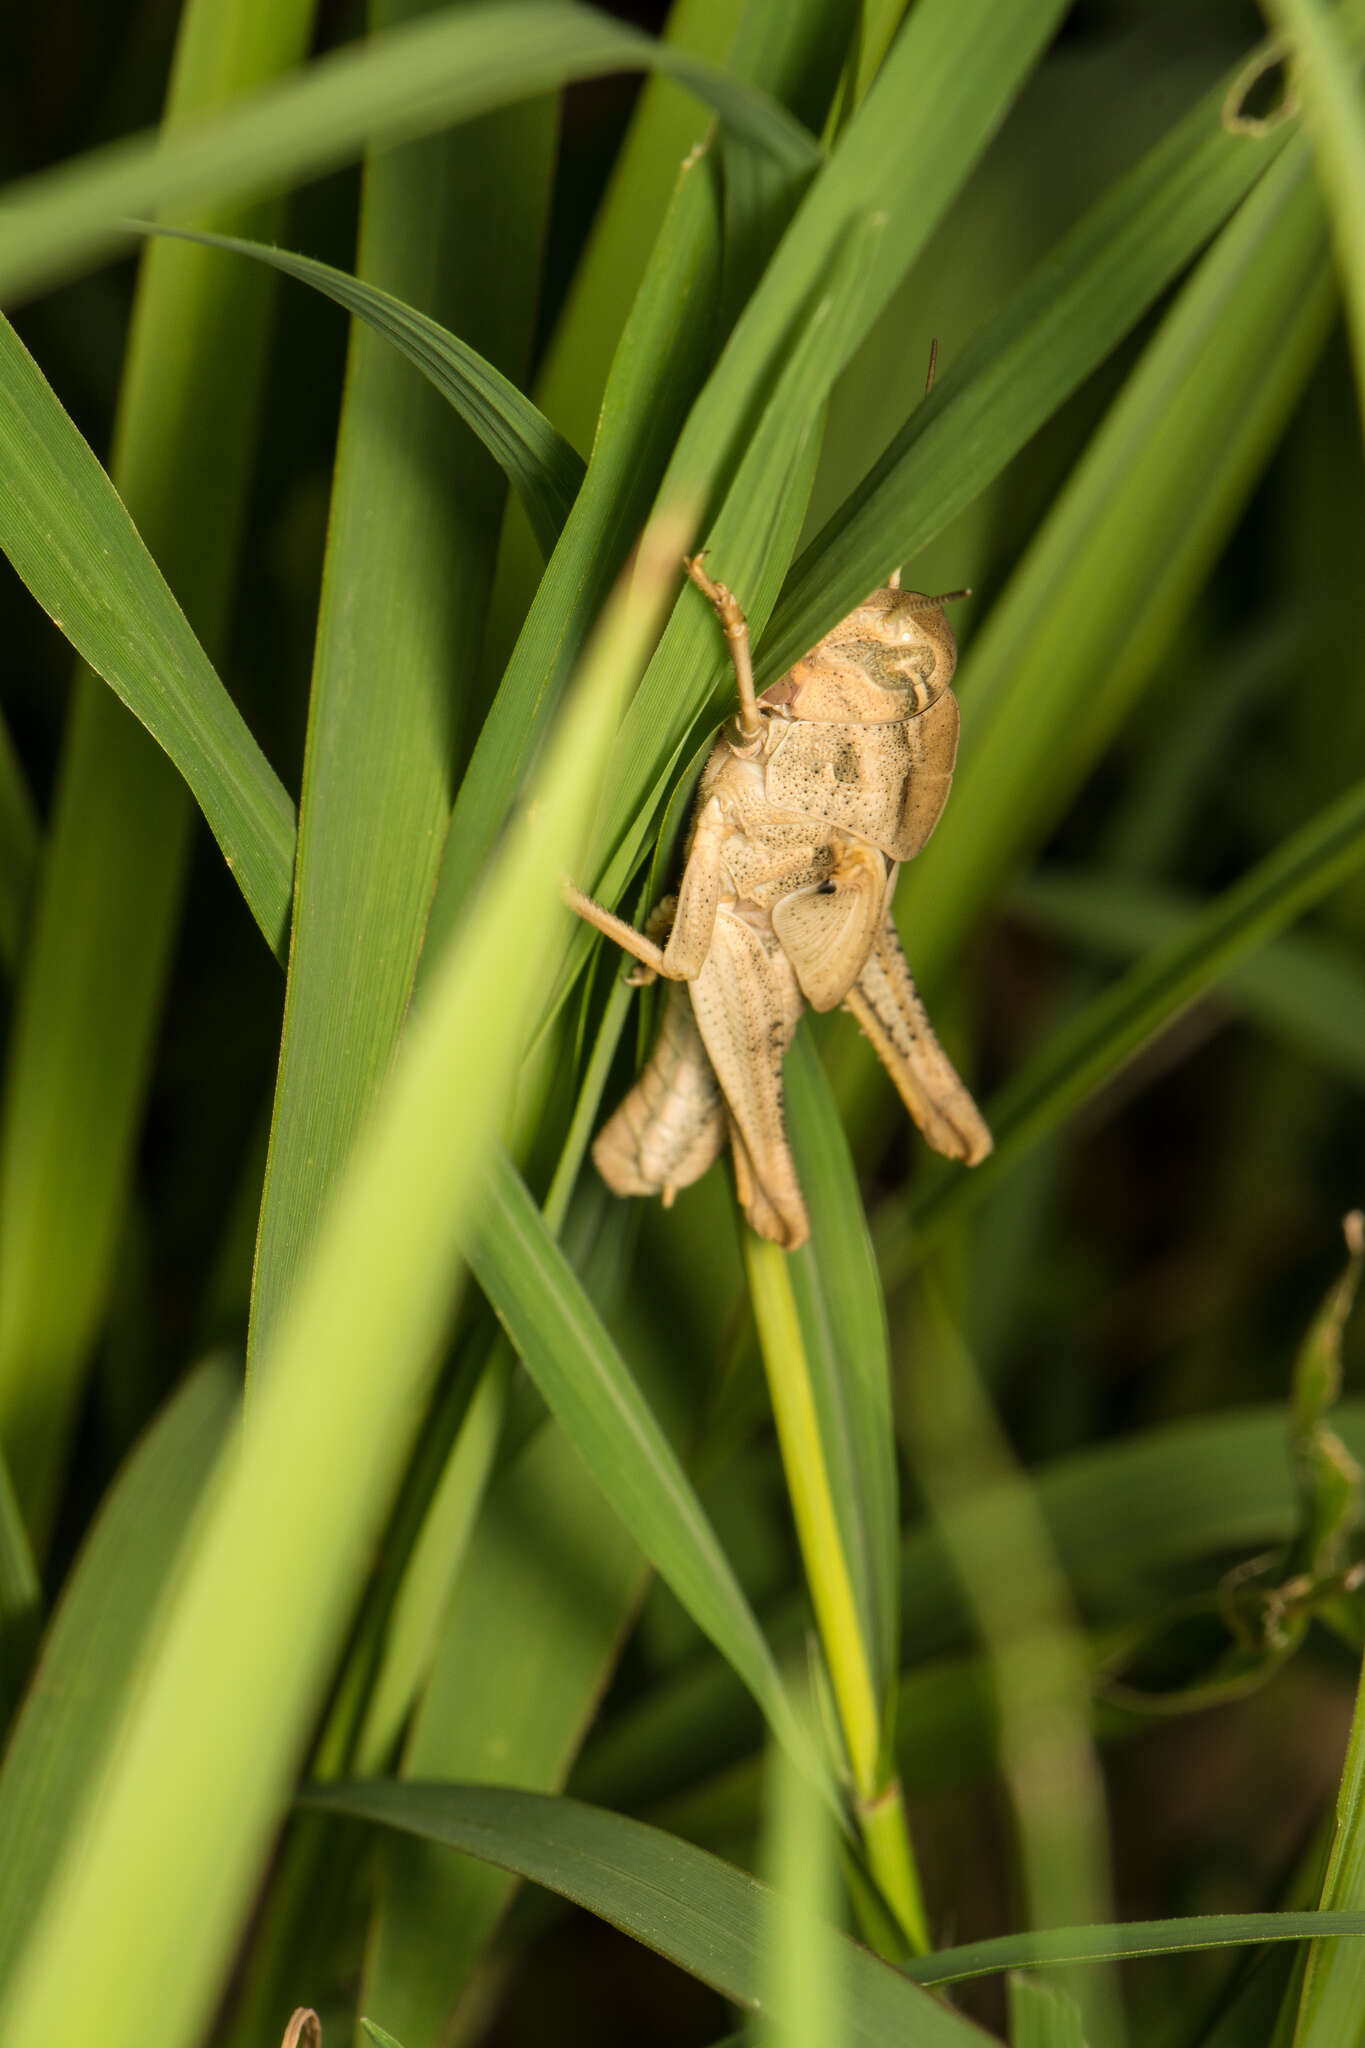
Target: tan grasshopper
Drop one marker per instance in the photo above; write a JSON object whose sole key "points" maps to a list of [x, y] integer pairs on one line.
{"points": [[813, 796]]}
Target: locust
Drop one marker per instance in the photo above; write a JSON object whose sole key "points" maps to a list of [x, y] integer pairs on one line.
{"points": [[814, 795]]}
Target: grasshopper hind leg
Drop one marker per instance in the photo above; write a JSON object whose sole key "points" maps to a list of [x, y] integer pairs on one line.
{"points": [[748, 1004], [886, 1003], [671, 1126]]}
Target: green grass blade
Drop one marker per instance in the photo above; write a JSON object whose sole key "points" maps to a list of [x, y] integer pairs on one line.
{"points": [[1059, 326], [992, 1528], [19, 852], [395, 88], [21, 1595], [1095, 1044], [153, 1890], [1326, 74], [567, 1351], [843, 1324], [1130, 1938], [1043, 2016], [415, 507], [661, 359], [92, 1654], [958, 65], [538, 1613], [98, 951], [1308, 989], [1095, 603], [536, 460], [799, 1862], [1334, 1979], [704, 1915], [73, 544]]}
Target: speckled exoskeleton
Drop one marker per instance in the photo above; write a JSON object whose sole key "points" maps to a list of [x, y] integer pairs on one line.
{"points": [[813, 796]]}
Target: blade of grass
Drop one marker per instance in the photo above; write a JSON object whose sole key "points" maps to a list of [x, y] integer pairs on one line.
{"points": [[21, 1597], [958, 65], [1326, 76], [1095, 1044], [587, 1384], [799, 1862], [1095, 602], [152, 1890], [104, 923], [537, 461], [1040, 1674], [67, 534], [19, 853], [394, 88], [843, 1326], [1043, 2016], [1066, 317], [1329, 2002], [92, 1656], [703, 1914], [538, 1612], [1308, 989], [415, 508], [1130, 1938], [878, 1803]]}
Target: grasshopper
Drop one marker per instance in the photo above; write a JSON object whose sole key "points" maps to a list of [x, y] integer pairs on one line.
{"points": [[814, 794]]}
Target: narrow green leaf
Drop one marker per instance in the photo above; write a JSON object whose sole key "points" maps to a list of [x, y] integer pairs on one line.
{"points": [[1040, 1673], [702, 1914], [1094, 605], [1043, 2016], [1326, 74], [67, 534], [378, 2035], [1306, 987], [97, 953], [393, 88], [958, 62], [567, 1351], [18, 852], [1060, 324], [537, 1615], [1330, 2000], [1095, 1044], [146, 1908], [537, 461], [93, 1653], [843, 1324], [1130, 1938], [414, 513], [21, 1596]]}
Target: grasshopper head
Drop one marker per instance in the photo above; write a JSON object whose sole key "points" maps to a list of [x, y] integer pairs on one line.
{"points": [[890, 659]]}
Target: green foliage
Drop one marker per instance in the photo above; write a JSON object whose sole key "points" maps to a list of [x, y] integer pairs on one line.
{"points": [[987, 1490]]}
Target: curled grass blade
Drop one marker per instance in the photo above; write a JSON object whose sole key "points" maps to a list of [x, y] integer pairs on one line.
{"points": [[704, 1915], [536, 460], [393, 88]]}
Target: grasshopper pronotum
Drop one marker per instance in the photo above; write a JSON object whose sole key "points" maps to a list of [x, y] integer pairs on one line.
{"points": [[814, 794]]}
